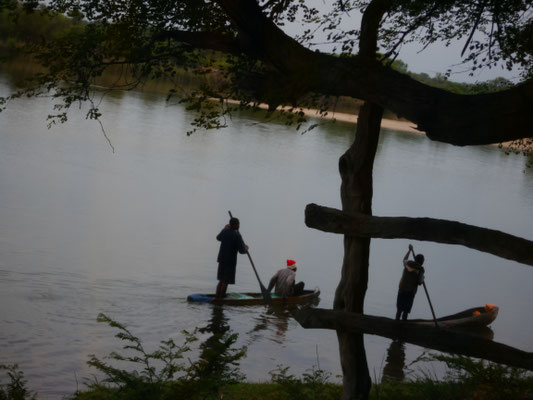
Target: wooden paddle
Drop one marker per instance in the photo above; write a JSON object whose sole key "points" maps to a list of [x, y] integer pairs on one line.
{"points": [[264, 291], [427, 295]]}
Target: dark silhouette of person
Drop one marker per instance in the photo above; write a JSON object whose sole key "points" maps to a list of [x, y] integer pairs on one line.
{"points": [[412, 276], [231, 243]]}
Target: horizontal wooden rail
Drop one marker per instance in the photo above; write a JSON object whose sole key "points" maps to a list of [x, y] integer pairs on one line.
{"points": [[426, 229], [446, 340]]}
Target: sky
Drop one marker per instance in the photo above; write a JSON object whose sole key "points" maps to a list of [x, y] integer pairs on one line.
{"points": [[435, 59]]}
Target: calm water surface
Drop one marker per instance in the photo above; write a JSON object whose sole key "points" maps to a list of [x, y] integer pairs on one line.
{"points": [[84, 230]]}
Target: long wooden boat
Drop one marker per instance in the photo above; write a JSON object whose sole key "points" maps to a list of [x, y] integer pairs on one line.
{"points": [[251, 299], [471, 318]]}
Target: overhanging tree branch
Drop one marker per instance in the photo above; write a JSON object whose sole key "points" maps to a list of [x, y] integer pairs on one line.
{"points": [[447, 340], [444, 116], [426, 229]]}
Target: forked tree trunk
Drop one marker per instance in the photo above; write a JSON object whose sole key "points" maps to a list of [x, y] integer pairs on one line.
{"points": [[355, 168]]}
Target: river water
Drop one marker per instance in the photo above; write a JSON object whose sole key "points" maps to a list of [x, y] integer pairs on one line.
{"points": [[84, 230]]}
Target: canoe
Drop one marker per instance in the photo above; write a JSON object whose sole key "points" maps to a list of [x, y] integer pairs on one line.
{"points": [[464, 319], [251, 299]]}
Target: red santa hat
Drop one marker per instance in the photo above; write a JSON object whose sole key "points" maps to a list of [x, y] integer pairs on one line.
{"points": [[291, 264]]}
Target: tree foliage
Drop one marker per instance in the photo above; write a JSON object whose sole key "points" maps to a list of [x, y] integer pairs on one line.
{"points": [[492, 33], [158, 39]]}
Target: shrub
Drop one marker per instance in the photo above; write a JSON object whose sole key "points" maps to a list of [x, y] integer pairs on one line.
{"points": [[16, 388]]}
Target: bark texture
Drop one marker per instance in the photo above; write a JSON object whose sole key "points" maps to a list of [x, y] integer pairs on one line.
{"points": [[447, 340], [356, 167], [356, 170], [425, 229]]}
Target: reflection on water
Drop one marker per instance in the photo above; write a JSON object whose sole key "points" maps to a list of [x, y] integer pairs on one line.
{"points": [[220, 359], [394, 368], [275, 319], [218, 323]]}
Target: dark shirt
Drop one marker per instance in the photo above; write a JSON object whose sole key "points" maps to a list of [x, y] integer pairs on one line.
{"points": [[412, 276], [231, 243]]}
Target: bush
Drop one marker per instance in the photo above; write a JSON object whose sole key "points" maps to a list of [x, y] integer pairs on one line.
{"points": [[218, 366], [16, 388]]}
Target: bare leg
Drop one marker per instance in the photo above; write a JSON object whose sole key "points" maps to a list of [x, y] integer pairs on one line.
{"points": [[221, 290]]}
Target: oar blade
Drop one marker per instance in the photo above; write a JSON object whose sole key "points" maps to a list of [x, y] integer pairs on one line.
{"points": [[266, 295]]}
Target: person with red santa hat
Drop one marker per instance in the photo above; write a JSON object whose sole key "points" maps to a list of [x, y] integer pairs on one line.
{"points": [[284, 281]]}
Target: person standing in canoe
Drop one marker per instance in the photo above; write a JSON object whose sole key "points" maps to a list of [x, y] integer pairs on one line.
{"points": [[231, 243], [412, 277], [284, 281]]}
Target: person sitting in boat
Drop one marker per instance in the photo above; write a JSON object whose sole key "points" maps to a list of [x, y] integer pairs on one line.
{"points": [[284, 281], [412, 277], [230, 243]]}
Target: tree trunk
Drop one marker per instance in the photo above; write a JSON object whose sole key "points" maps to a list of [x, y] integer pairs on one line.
{"points": [[356, 167]]}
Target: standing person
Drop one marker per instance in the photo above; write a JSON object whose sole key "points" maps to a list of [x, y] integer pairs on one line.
{"points": [[284, 281], [230, 243], [412, 276]]}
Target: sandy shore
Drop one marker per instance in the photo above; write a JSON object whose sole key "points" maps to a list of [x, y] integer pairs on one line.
{"points": [[399, 125], [352, 118]]}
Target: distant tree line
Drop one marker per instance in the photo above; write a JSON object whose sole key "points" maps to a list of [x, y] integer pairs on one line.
{"points": [[443, 82], [33, 26], [36, 27]]}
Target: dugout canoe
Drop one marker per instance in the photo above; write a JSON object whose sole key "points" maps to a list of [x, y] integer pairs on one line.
{"points": [[252, 299], [471, 318]]}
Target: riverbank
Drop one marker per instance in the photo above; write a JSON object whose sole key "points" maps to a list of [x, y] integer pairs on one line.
{"points": [[388, 123], [26, 69], [394, 124]]}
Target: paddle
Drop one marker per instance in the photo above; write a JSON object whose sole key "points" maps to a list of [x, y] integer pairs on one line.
{"points": [[264, 291], [427, 295]]}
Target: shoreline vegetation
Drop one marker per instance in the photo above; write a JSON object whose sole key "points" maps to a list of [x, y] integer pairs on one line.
{"points": [[34, 29], [344, 109], [172, 372]]}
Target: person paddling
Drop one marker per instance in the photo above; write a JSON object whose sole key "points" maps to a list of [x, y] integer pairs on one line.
{"points": [[412, 277], [284, 281], [231, 243]]}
